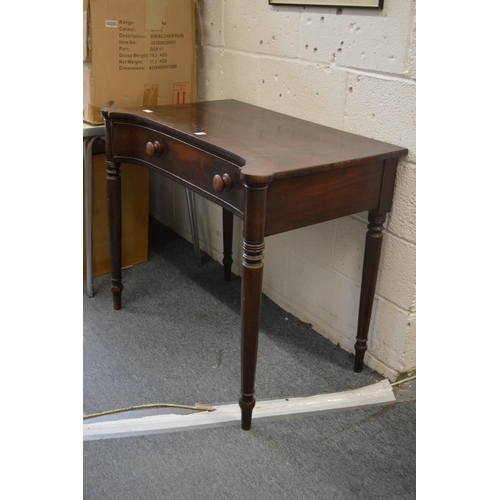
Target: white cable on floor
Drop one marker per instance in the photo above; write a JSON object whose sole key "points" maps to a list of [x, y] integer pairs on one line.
{"points": [[399, 382], [198, 407]]}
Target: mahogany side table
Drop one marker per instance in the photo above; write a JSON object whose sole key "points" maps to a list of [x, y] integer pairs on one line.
{"points": [[275, 172]]}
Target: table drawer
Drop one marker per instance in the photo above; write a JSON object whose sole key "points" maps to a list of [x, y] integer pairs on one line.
{"points": [[211, 176]]}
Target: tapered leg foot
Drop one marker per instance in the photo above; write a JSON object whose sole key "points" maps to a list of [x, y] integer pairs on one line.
{"points": [[358, 361], [116, 290], [247, 404]]}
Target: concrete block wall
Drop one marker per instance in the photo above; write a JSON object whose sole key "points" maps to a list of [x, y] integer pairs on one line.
{"points": [[351, 69]]}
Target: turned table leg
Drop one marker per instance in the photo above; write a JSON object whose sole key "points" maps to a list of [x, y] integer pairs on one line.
{"points": [[227, 230], [251, 294], [373, 249], [113, 190]]}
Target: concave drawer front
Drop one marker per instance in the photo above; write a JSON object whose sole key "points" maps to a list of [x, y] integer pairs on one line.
{"points": [[211, 176]]}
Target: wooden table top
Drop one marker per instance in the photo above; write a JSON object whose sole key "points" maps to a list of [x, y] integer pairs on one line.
{"points": [[266, 145]]}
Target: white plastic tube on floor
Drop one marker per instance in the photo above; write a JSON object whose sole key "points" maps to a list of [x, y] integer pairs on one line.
{"points": [[378, 393]]}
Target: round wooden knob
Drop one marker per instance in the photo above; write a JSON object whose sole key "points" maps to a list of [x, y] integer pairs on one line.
{"points": [[227, 182], [222, 182], [153, 148], [218, 183]]}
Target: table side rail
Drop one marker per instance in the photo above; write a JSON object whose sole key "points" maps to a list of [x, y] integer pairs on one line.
{"points": [[295, 202]]}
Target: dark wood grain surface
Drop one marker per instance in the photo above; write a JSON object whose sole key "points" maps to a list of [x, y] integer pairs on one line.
{"points": [[267, 145]]}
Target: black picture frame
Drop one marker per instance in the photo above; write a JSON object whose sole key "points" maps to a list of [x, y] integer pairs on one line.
{"points": [[347, 4]]}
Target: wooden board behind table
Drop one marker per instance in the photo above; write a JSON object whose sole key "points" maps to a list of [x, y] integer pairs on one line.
{"points": [[135, 196]]}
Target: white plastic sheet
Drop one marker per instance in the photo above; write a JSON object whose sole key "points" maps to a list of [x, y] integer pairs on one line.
{"points": [[378, 393]]}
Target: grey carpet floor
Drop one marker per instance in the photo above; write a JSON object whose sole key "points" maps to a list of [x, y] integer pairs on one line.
{"points": [[176, 340]]}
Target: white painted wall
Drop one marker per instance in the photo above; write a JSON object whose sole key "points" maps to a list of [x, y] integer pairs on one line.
{"points": [[350, 69]]}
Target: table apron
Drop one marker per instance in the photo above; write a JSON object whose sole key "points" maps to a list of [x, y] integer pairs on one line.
{"points": [[292, 202], [179, 161], [304, 200]]}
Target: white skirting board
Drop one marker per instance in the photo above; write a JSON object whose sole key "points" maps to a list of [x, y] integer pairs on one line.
{"points": [[379, 393]]}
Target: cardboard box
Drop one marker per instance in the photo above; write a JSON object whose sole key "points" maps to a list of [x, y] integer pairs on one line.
{"points": [[137, 53], [135, 217]]}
